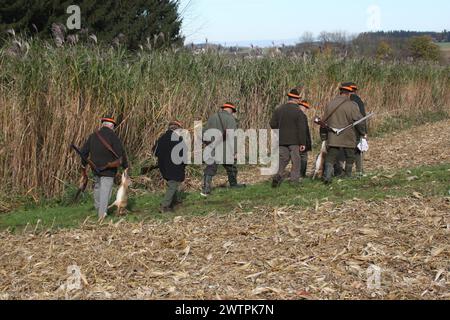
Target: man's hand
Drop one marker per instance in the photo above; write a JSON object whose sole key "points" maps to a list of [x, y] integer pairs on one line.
{"points": [[302, 148], [84, 171]]}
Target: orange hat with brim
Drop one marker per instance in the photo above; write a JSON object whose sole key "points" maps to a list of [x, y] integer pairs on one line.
{"points": [[305, 104], [176, 123], [111, 120], [348, 86], [229, 106], [294, 94]]}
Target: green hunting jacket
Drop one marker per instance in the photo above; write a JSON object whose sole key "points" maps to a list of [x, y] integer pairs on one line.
{"points": [[346, 114], [223, 121]]}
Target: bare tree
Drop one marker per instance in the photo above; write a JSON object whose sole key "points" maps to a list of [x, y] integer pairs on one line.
{"points": [[307, 37]]}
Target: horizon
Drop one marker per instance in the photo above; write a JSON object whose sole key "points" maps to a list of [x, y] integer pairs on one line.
{"points": [[266, 21]]}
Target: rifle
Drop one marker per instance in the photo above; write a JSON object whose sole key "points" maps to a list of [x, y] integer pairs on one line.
{"points": [[82, 186], [338, 132], [84, 177], [110, 165], [87, 160]]}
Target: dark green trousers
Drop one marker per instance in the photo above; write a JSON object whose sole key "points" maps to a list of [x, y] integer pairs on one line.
{"points": [[231, 169], [349, 153], [172, 194]]}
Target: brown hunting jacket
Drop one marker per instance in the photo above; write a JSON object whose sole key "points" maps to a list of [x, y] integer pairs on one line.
{"points": [[346, 114]]}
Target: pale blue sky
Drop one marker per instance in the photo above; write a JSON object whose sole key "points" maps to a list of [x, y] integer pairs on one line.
{"points": [[228, 21]]}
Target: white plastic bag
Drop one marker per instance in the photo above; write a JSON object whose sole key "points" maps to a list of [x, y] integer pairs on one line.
{"points": [[363, 146]]}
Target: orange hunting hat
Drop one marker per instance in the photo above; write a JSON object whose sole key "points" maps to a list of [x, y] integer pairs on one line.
{"points": [[109, 119], [294, 94], [229, 105], [349, 87], [305, 104], [176, 123]]}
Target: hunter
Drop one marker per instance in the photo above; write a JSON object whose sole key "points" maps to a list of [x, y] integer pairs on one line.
{"points": [[105, 151], [171, 170], [340, 164], [304, 107], [293, 136], [222, 120], [339, 113]]}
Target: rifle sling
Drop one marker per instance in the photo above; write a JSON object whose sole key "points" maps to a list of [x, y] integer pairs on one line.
{"points": [[334, 111], [224, 133], [106, 144]]}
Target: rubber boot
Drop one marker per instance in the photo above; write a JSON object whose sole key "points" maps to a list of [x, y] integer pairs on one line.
{"points": [[207, 186], [232, 179], [328, 173]]}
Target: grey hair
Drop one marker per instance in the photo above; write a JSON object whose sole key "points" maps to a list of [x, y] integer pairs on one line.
{"points": [[108, 124]]}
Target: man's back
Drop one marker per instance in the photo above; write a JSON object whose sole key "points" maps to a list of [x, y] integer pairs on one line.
{"points": [[163, 151], [221, 121], [339, 113], [292, 123], [100, 155]]}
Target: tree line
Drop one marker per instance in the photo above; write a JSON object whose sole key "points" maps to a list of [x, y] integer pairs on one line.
{"points": [[132, 23]]}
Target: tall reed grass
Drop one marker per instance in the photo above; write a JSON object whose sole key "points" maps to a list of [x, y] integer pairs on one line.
{"points": [[50, 97]]}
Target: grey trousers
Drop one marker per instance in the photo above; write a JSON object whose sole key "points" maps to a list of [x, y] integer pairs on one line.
{"points": [[171, 195], [102, 193], [288, 154]]}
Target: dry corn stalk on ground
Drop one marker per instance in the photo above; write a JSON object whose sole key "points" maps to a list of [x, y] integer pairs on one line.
{"points": [[320, 253]]}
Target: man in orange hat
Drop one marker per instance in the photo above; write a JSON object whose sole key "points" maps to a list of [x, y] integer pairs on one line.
{"points": [[340, 164], [106, 151], [339, 113], [222, 120], [292, 125], [172, 172]]}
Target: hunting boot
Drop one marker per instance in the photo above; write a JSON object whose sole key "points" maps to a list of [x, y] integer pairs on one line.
{"points": [[328, 173], [163, 209], [276, 181], [232, 179], [176, 201], [348, 170], [207, 186]]}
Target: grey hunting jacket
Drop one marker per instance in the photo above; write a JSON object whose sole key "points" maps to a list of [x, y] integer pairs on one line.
{"points": [[223, 121]]}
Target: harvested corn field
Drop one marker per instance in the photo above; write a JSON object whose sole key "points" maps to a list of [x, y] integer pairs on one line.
{"points": [[328, 252]]}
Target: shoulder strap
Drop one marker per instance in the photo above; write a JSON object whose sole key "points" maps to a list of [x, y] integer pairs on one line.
{"points": [[106, 144], [334, 111], [223, 127]]}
